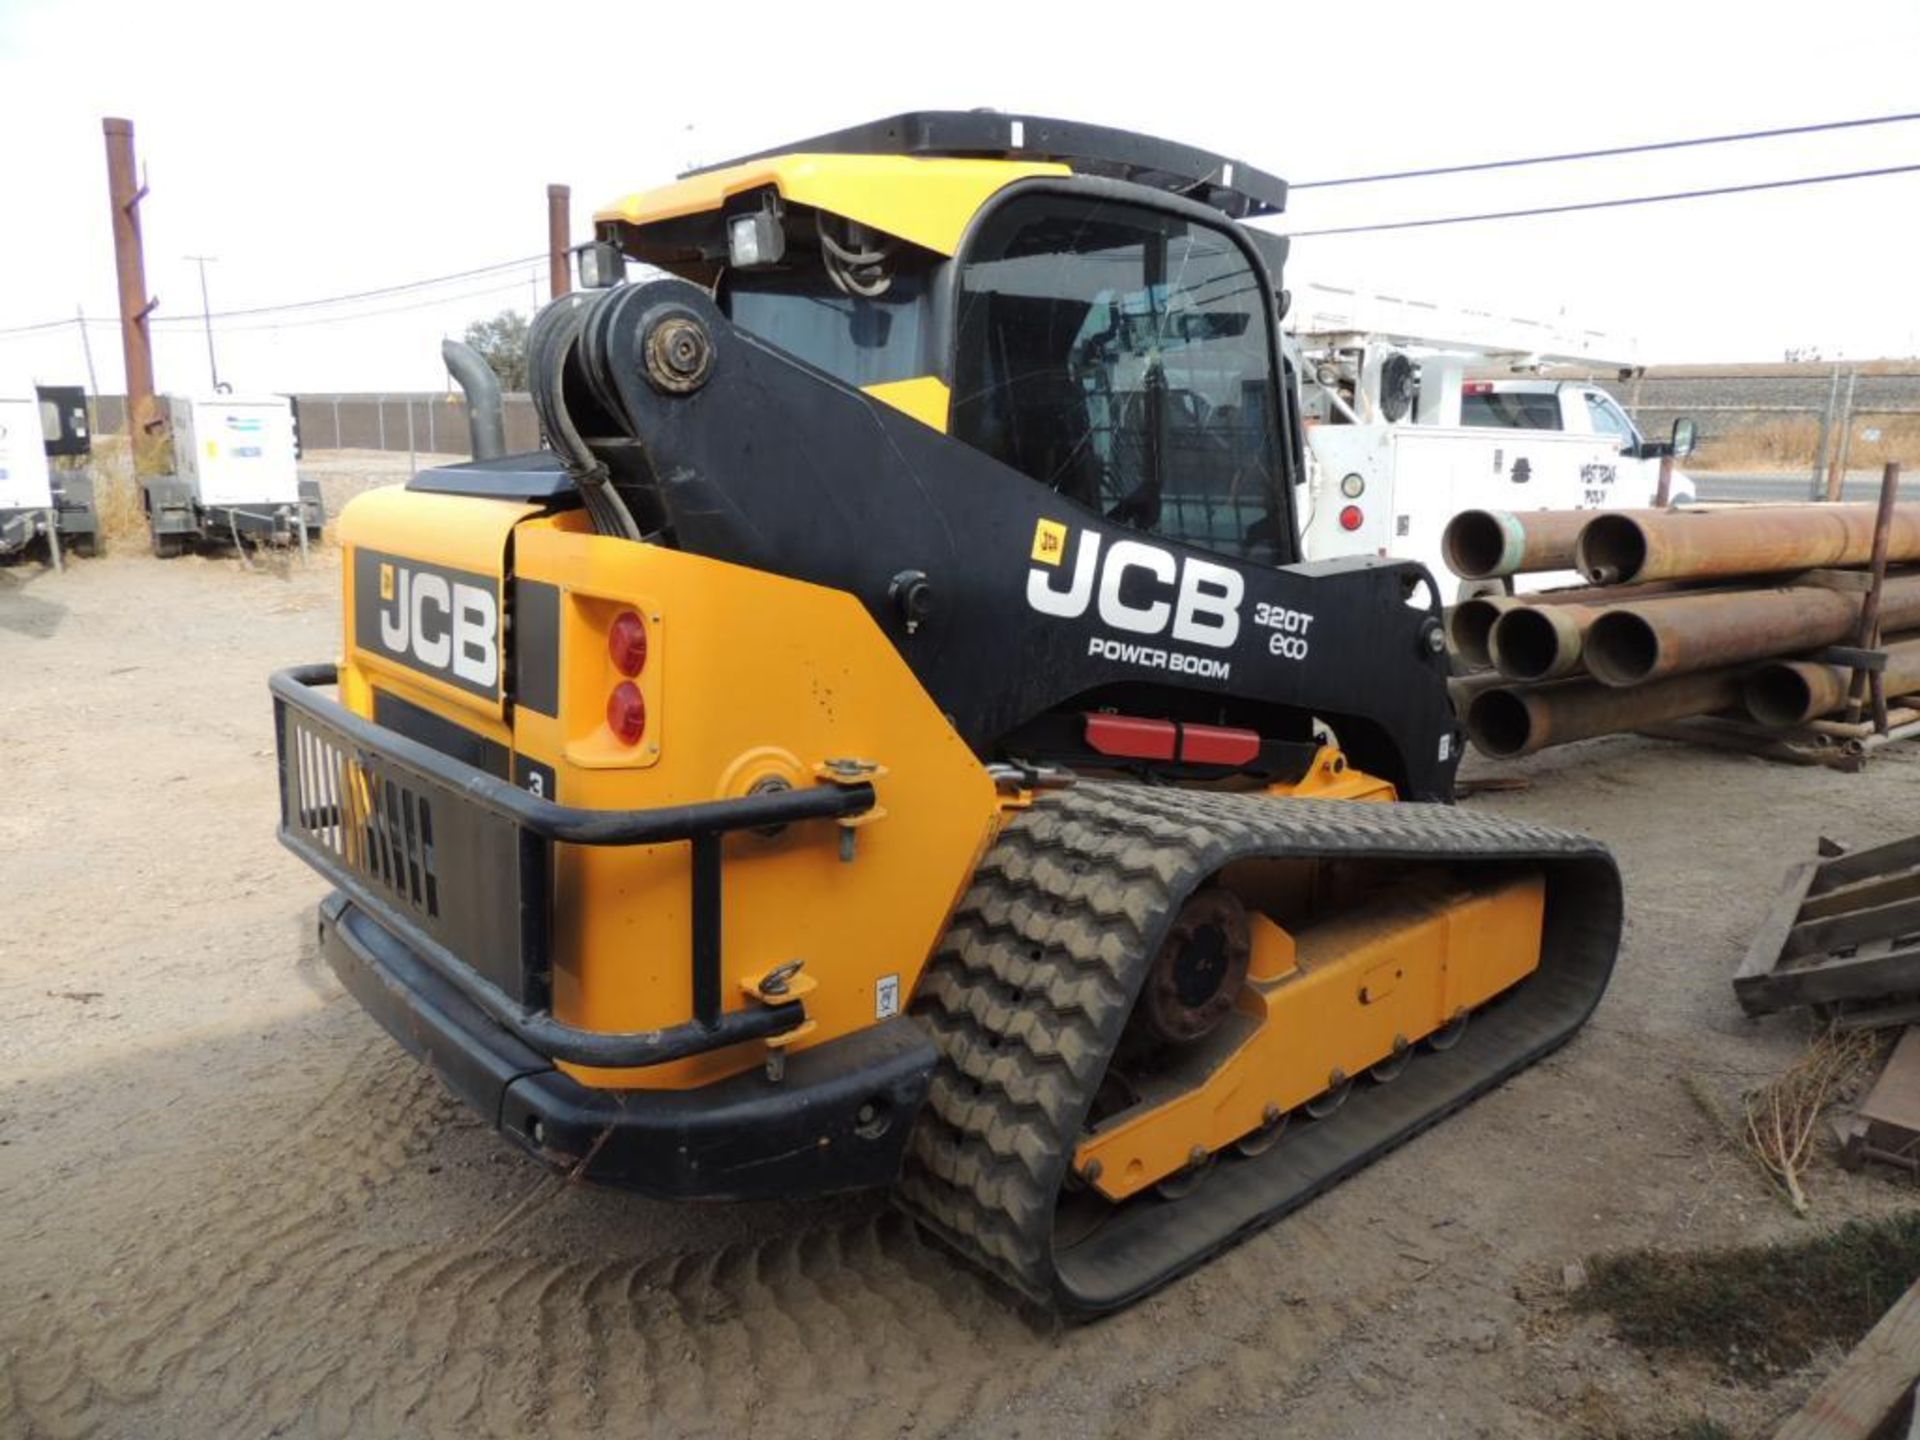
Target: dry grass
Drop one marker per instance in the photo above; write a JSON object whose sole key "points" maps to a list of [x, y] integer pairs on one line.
{"points": [[1782, 1116], [1758, 1310], [123, 520], [1790, 442]]}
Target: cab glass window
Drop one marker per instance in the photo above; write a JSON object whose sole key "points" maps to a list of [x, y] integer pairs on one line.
{"points": [[1607, 419], [1122, 356], [855, 338], [1510, 410]]}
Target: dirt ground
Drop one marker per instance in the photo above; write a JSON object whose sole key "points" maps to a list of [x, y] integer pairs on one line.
{"points": [[230, 1206]]}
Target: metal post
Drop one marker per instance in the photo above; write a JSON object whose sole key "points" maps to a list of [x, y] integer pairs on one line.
{"points": [[136, 339], [380, 409], [413, 463], [1868, 635], [336, 422], [433, 445], [1837, 471], [559, 228], [1826, 430], [206, 317]]}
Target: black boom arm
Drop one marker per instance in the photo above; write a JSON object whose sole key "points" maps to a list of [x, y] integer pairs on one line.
{"points": [[1007, 599]]}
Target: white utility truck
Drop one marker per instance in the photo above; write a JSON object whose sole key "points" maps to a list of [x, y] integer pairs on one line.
{"points": [[1399, 441], [235, 476], [39, 501]]}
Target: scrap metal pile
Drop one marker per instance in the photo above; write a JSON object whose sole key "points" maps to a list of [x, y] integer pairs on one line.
{"points": [[1754, 625]]}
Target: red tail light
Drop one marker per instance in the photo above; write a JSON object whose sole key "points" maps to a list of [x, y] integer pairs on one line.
{"points": [[627, 713], [627, 643], [1351, 518]]}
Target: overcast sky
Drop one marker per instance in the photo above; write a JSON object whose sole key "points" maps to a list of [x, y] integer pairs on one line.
{"points": [[364, 145]]}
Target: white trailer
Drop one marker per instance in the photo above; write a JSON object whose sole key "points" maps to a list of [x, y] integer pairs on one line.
{"points": [[39, 501], [235, 475], [1398, 441]]}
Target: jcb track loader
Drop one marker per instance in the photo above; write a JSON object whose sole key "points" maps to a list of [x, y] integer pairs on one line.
{"points": [[889, 737]]}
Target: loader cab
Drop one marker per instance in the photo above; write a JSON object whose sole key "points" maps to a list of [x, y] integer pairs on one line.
{"points": [[1081, 306]]}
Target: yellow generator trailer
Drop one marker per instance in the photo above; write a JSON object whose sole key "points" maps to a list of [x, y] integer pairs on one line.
{"points": [[889, 736]]}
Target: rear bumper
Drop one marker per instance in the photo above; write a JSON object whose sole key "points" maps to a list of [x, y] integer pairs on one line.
{"points": [[838, 1120]]}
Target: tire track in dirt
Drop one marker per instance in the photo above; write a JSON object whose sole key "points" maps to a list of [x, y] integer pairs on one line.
{"points": [[249, 1297], [256, 1298]]}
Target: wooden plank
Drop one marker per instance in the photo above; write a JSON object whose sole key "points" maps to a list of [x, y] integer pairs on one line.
{"points": [[1855, 927], [1863, 977], [1877, 890], [1860, 864], [1764, 953], [1855, 1401]]}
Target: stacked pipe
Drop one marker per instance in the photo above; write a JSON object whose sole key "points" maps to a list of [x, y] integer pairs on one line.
{"points": [[1686, 613]]}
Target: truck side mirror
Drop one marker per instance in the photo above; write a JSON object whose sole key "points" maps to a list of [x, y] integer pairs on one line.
{"points": [[1683, 440]]}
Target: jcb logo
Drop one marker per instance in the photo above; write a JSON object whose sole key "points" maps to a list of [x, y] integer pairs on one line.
{"points": [[443, 622], [1136, 587]]}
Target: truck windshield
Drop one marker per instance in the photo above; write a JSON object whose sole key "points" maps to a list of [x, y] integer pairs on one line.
{"points": [[1511, 410], [1123, 357]]}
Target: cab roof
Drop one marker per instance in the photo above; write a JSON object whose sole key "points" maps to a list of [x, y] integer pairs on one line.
{"points": [[923, 175]]}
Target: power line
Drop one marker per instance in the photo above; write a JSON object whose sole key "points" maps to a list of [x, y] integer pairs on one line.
{"points": [[284, 307], [375, 294], [434, 303], [1728, 139], [1609, 204]]}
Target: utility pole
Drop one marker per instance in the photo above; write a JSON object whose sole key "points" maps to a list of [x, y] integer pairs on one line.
{"points": [[126, 191], [206, 315], [559, 232], [86, 349]]}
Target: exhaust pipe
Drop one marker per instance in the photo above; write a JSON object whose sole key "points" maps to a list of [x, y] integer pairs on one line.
{"points": [[486, 412]]}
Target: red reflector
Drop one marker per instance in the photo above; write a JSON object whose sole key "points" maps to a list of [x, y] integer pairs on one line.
{"points": [[1350, 517], [1477, 387], [627, 643], [627, 713], [1130, 738], [1217, 745]]}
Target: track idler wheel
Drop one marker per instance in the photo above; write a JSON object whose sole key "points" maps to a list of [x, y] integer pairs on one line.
{"points": [[1273, 1126], [1339, 1086], [1382, 1071], [1448, 1035], [1199, 970]]}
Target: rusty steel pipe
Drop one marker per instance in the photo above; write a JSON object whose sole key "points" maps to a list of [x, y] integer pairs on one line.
{"points": [[1539, 642], [1618, 547], [1470, 627], [1632, 644], [1792, 692], [1512, 720], [1470, 622], [1487, 544]]}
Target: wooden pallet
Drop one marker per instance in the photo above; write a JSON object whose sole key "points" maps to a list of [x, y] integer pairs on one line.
{"points": [[1844, 932]]}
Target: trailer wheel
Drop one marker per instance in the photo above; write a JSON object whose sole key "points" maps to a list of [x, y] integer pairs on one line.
{"points": [[167, 547]]}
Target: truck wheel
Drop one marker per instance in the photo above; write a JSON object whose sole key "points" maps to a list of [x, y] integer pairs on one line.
{"points": [[167, 547]]}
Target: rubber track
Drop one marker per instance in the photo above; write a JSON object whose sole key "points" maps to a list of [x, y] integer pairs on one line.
{"points": [[1027, 994]]}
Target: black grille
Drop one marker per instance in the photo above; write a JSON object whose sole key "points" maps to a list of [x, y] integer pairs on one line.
{"points": [[377, 826], [458, 872]]}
